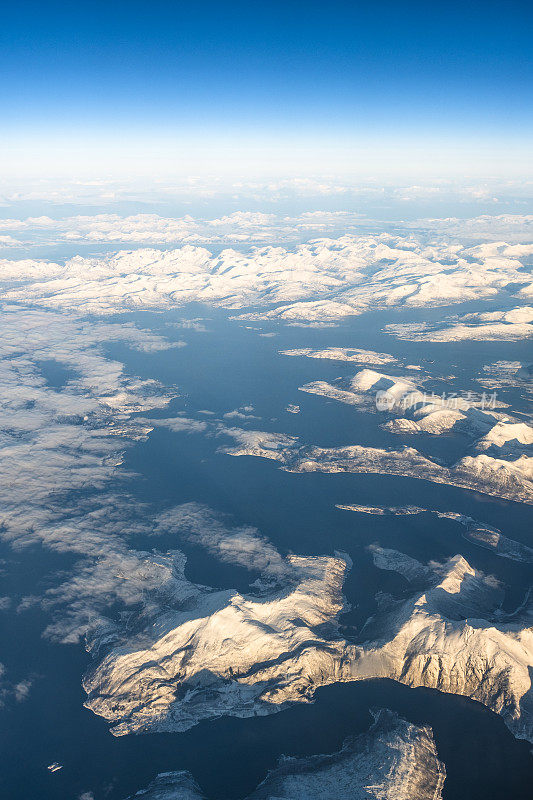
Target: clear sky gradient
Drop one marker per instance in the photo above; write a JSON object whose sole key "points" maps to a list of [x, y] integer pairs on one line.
{"points": [[290, 83]]}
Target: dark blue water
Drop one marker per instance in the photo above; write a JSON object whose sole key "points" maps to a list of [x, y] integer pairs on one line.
{"points": [[55, 373], [221, 370]]}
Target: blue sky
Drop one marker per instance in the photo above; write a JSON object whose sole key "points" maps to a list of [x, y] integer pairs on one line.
{"points": [[320, 74]]}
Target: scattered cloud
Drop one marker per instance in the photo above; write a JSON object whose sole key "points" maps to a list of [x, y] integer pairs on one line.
{"points": [[11, 692], [244, 546]]}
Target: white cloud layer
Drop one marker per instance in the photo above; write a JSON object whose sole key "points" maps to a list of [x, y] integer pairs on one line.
{"points": [[255, 227], [192, 189], [62, 448]]}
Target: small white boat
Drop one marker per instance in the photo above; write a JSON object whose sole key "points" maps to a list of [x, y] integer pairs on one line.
{"points": [[55, 766]]}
